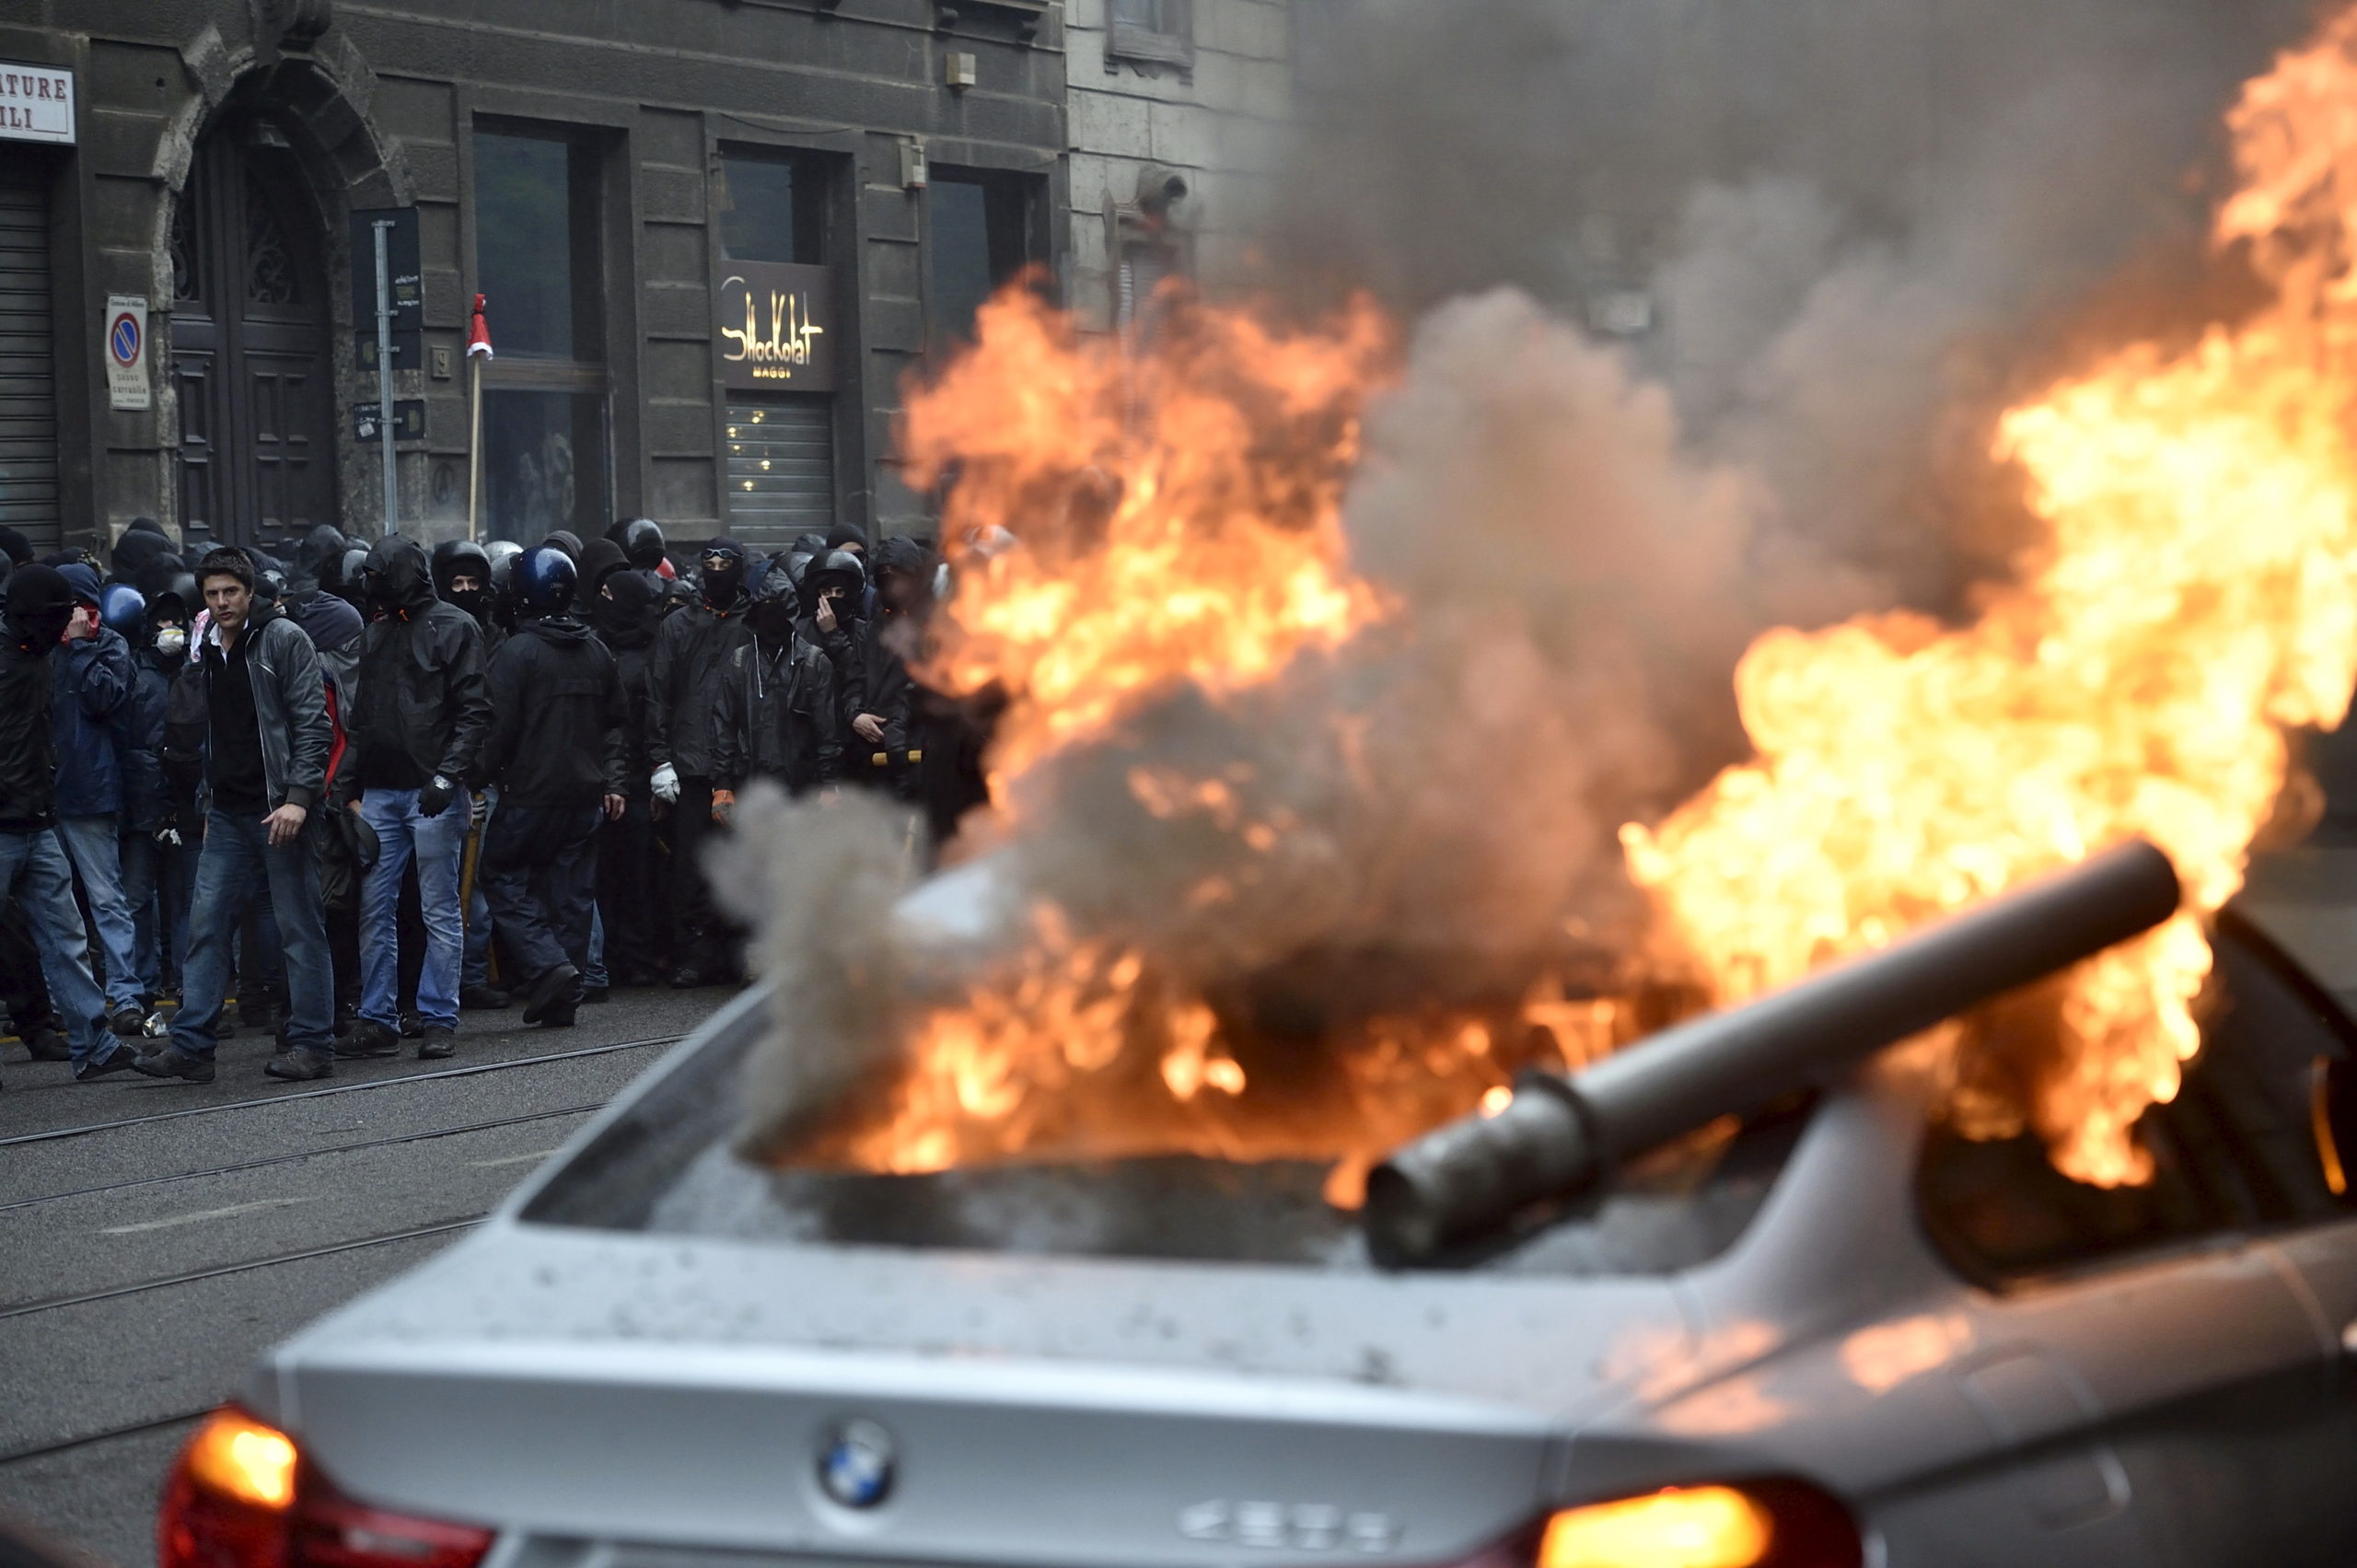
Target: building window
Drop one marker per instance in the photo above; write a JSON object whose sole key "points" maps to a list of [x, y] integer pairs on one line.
{"points": [[538, 223], [982, 234], [1160, 32], [771, 207]]}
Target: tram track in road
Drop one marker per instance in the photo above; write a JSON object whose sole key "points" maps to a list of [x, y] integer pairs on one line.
{"points": [[242, 1266], [471, 1069], [299, 1155]]}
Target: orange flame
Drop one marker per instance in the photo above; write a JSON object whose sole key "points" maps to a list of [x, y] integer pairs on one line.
{"points": [[1179, 511], [2193, 597]]}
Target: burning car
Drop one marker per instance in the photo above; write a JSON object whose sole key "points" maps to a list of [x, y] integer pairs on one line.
{"points": [[1801, 1324]]}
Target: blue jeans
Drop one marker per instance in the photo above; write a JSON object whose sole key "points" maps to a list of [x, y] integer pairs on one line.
{"points": [[238, 859], [34, 869], [439, 844], [592, 973], [96, 848]]}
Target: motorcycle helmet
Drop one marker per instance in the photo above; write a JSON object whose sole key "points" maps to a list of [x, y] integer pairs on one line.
{"points": [[122, 610], [545, 578], [641, 543]]}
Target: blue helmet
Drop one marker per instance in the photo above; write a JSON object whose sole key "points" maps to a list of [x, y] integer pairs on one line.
{"points": [[545, 578], [124, 611]]}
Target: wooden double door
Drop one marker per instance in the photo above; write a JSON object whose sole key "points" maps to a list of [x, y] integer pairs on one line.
{"points": [[250, 345]]}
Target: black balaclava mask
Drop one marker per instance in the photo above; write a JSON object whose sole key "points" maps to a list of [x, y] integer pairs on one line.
{"points": [[41, 602], [724, 582], [623, 611]]}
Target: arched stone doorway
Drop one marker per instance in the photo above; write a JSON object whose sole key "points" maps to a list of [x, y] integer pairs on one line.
{"points": [[251, 347]]}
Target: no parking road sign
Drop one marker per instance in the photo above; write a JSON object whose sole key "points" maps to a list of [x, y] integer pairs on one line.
{"points": [[126, 351]]}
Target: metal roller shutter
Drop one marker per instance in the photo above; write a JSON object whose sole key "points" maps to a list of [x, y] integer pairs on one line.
{"points": [[781, 470], [29, 500]]}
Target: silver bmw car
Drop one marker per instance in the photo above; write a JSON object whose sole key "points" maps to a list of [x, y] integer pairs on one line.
{"points": [[1823, 1332]]}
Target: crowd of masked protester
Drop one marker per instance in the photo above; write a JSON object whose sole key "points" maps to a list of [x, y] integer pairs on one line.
{"points": [[338, 798]]}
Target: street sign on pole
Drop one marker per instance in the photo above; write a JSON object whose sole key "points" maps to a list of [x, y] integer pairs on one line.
{"points": [[384, 227]]}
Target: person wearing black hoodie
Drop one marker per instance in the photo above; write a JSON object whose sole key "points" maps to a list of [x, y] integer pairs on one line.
{"points": [[881, 693], [33, 867], [691, 655], [623, 612], [555, 753], [417, 733], [779, 716]]}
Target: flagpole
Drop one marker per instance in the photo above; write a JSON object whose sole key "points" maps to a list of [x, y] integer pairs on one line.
{"points": [[478, 350]]}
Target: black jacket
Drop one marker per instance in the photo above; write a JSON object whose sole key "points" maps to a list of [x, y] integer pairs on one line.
{"points": [[28, 751], [556, 717], [691, 652], [779, 717], [878, 683], [290, 705], [423, 705], [631, 639]]}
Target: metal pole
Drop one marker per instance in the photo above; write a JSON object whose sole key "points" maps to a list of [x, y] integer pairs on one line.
{"points": [[384, 228]]}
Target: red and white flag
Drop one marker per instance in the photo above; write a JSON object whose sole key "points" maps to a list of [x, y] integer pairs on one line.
{"points": [[479, 333]]}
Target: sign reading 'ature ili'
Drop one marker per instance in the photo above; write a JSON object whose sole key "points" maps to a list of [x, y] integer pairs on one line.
{"points": [[36, 104]]}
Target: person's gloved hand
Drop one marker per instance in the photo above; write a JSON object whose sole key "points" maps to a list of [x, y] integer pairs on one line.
{"points": [[436, 797], [168, 835], [666, 784], [724, 804], [478, 810]]}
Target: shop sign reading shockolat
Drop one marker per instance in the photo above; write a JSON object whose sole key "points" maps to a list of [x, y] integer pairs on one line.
{"points": [[774, 327]]}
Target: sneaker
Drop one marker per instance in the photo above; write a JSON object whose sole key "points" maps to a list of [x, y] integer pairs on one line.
{"points": [[368, 1037], [484, 998], [127, 1022], [687, 977], [562, 984], [436, 1044], [411, 1026], [560, 1013], [116, 1059], [299, 1065], [171, 1062], [47, 1044], [597, 997]]}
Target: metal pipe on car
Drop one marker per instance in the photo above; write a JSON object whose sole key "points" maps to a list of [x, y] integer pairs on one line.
{"points": [[1561, 1136]]}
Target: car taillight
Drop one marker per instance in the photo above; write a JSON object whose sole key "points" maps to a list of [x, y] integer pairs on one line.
{"points": [[1774, 1523], [242, 1496]]}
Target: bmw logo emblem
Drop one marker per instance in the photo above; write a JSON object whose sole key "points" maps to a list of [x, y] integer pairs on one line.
{"points": [[856, 1464]]}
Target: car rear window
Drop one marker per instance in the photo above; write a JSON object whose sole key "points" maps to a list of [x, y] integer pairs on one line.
{"points": [[2254, 1140], [668, 1167]]}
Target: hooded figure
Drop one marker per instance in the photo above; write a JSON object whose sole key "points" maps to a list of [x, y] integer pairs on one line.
{"points": [[16, 547], [566, 540], [39, 604], [140, 543], [601, 559], [34, 871], [779, 716], [318, 557], [554, 751], [416, 736], [625, 615], [691, 653], [878, 701], [157, 573]]}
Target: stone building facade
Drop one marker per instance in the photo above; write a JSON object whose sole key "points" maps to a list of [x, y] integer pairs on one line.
{"points": [[715, 234], [1179, 110]]}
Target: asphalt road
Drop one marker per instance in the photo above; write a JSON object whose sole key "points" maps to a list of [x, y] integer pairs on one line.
{"points": [[155, 1237]]}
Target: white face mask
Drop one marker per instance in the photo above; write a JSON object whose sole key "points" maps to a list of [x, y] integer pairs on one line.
{"points": [[171, 641]]}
